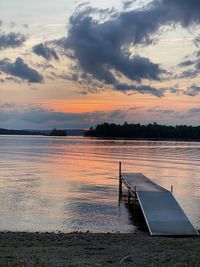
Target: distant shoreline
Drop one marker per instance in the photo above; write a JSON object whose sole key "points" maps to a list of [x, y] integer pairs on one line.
{"points": [[111, 138], [92, 249], [58, 132], [143, 139], [145, 132]]}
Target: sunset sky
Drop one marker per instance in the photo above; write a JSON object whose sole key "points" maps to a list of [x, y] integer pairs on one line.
{"points": [[73, 64]]}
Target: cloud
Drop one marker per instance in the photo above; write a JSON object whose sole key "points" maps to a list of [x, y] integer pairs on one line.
{"points": [[194, 111], [174, 117], [6, 106], [182, 11], [186, 63], [197, 64], [54, 76], [127, 4], [13, 79], [25, 26], [188, 74], [143, 89], [36, 117], [12, 24], [11, 40], [44, 65], [45, 51], [197, 40], [101, 48], [40, 118], [160, 111], [194, 61], [20, 69], [193, 90]]}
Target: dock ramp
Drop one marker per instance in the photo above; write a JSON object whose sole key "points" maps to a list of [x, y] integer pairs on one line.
{"points": [[162, 213]]}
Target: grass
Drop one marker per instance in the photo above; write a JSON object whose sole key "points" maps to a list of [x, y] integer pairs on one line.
{"points": [[19, 263], [37, 263], [69, 263]]}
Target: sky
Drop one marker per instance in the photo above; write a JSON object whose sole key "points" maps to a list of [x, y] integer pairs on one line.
{"points": [[74, 64]]}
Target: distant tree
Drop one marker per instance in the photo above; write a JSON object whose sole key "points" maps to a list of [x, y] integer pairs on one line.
{"points": [[56, 132], [150, 131], [19, 132]]}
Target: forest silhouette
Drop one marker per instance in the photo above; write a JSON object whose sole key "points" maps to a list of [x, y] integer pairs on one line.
{"points": [[150, 131]]}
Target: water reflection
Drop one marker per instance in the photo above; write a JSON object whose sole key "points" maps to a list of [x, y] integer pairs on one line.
{"points": [[70, 183], [134, 211]]}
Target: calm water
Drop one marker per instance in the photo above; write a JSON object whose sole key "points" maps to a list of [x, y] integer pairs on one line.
{"points": [[71, 183]]}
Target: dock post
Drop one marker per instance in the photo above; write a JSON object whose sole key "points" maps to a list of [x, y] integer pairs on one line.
{"points": [[129, 196], [172, 189], [134, 203], [120, 179]]}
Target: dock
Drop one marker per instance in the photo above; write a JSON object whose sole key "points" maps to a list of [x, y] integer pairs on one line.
{"points": [[161, 211]]}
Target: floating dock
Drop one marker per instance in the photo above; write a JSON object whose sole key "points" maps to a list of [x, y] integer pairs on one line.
{"points": [[162, 213]]}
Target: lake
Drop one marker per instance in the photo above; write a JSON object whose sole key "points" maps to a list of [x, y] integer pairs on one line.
{"points": [[71, 183]]}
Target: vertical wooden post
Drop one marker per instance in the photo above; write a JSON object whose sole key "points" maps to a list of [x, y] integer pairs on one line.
{"points": [[172, 189], [120, 179], [129, 196], [120, 169], [135, 202]]}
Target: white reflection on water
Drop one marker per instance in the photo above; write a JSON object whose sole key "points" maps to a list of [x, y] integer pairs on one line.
{"points": [[70, 183]]}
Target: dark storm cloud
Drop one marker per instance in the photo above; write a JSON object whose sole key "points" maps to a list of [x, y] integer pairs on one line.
{"points": [[20, 69], [185, 12], [11, 40], [45, 51], [101, 48]]}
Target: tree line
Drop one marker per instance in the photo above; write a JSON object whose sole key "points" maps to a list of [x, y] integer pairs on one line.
{"points": [[19, 132], [54, 132], [150, 131]]}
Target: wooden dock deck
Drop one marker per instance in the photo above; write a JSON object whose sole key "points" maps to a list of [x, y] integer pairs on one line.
{"points": [[162, 213]]}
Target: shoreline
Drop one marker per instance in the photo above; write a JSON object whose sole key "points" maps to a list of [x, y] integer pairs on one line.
{"points": [[113, 138], [143, 139], [96, 249]]}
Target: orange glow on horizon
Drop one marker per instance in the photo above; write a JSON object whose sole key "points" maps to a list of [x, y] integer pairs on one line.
{"points": [[110, 102], [104, 102], [74, 106]]}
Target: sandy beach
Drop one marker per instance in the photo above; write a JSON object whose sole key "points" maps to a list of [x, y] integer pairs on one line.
{"points": [[90, 249]]}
